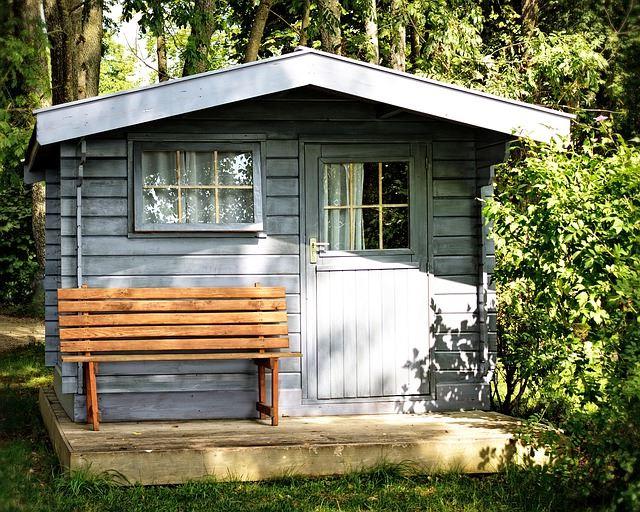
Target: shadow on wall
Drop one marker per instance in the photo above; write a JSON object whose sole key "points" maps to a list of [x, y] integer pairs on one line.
{"points": [[456, 368]]}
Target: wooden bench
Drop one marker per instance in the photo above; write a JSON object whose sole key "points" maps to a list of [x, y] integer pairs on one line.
{"points": [[100, 325]]}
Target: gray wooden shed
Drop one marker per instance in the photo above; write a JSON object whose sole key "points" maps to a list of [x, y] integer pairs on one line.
{"points": [[354, 186]]}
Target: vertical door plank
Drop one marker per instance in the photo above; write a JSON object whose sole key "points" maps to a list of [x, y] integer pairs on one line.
{"points": [[324, 334], [388, 331], [363, 309], [352, 296], [404, 355], [336, 300], [375, 332]]}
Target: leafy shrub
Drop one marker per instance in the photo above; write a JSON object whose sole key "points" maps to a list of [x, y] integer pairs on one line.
{"points": [[566, 224], [18, 265]]}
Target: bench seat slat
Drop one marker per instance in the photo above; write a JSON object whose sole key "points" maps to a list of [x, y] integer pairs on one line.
{"points": [[111, 358], [159, 331], [172, 319], [113, 306], [173, 344], [256, 292]]}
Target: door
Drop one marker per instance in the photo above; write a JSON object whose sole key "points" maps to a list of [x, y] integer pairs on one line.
{"points": [[367, 287]]}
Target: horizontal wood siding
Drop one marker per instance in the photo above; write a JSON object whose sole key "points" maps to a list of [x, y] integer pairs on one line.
{"points": [[114, 257], [455, 245], [52, 263], [488, 154]]}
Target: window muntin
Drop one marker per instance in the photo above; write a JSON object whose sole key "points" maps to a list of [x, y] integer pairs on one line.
{"points": [[366, 205], [198, 187]]}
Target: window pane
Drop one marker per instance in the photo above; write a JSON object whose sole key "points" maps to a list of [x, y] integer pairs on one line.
{"points": [[160, 206], [371, 228], [395, 228], [198, 169], [395, 182], [370, 193], [198, 206], [337, 229], [235, 168], [236, 206], [336, 184], [159, 167]]}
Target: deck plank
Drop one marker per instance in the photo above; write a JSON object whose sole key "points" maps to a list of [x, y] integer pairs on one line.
{"points": [[165, 452]]}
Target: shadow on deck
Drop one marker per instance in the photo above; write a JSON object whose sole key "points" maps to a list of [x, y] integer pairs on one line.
{"points": [[174, 452]]}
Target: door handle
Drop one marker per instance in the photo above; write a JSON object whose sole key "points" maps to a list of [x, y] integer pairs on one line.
{"points": [[315, 247]]}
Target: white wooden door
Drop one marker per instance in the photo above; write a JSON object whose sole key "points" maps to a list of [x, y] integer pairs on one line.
{"points": [[367, 290]]}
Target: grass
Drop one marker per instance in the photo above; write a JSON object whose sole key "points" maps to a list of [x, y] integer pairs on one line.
{"points": [[30, 479]]}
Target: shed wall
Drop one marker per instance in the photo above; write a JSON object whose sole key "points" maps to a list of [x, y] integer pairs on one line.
{"points": [[112, 257]]}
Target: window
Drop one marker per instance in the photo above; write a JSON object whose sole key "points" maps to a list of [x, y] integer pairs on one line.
{"points": [[197, 187], [366, 205]]}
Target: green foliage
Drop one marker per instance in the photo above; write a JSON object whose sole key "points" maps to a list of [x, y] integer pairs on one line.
{"points": [[22, 87], [117, 67], [566, 223], [17, 250]]}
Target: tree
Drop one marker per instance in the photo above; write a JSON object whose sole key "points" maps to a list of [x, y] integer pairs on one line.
{"points": [[305, 23], [23, 87], [330, 30], [257, 30], [75, 36], [397, 36], [152, 20], [371, 31], [202, 21]]}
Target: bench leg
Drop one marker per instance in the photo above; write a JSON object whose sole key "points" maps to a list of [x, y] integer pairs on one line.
{"points": [[262, 389], [91, 395], [268, 411], [274, 392]]}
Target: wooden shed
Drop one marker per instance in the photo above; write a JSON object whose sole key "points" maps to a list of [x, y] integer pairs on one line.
{"points": [[354, 186]]}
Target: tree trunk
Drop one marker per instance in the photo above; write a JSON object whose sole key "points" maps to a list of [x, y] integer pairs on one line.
{"points": [[371, 31], [398, 37], [529, 13], [157, 29], [415, 40], [161, 54], [306, 21], [330, 33], [257, 30], [196, 55], [75, 37]]}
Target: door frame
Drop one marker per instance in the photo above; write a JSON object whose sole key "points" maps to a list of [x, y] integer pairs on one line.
{"points": [[420, 179]]}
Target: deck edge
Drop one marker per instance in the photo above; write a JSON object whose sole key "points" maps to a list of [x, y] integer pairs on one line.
{"points": [[58, 440]]}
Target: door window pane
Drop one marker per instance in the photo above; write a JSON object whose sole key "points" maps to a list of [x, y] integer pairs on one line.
{"points": [[366, 205], [395, 228]]}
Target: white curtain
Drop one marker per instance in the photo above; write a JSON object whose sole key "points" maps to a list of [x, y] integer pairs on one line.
{"points": [[343, 186]]}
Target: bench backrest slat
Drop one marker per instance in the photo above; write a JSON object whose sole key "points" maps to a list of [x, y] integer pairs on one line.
{"points": [[153, 319], [168, 344], [116, 305], [173, 319], [249, 292]]}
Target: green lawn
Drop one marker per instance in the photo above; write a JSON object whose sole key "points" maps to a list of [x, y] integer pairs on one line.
{"points": [[31, 480]]}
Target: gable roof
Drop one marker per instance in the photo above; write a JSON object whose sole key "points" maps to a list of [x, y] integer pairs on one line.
{"points": [[303, 67]]}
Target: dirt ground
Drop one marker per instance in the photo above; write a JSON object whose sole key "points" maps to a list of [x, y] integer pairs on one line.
{"points": [[15, 332]]}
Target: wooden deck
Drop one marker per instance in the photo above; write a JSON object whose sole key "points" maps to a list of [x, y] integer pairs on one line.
{"points": [[173, 452]]}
